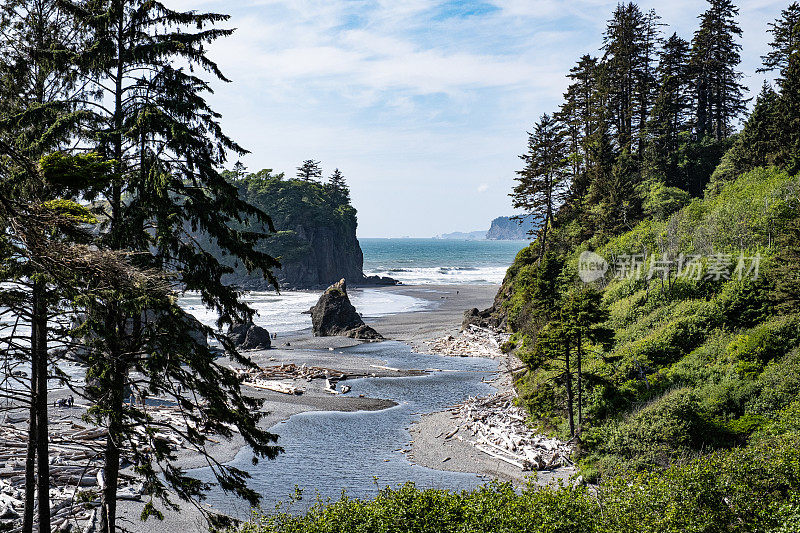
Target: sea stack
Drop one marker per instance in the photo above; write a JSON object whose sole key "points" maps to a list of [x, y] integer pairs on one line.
{"points": [[335, 315]]}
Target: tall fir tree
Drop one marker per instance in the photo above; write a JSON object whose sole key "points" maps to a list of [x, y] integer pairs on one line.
{"points": [[37, 91], [339, 188], [651, 43], [542, 185], [715, 58], [310, 170], [150, 118], [785, 40], [577, 115], [670, 116], [624, 47], [789, 115], [583, 315]]}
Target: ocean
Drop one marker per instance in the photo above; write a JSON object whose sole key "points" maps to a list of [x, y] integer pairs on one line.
{"points": [[439, 261], [410, 261]]}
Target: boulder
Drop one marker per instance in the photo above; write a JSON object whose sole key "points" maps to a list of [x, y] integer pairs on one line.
{"points": [[335, 315], [250, 337]]}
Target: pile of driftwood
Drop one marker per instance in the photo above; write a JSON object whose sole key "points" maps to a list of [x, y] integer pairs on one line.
{"points": [[497, 428], [269, 378], [75, 467], [474, 341]]}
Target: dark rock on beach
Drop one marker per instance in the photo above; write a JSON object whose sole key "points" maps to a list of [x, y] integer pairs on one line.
{"points": [[335, 315], [485, 319], [250, 337]]}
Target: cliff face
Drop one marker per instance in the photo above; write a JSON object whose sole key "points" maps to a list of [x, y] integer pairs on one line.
{"points": [[316, 234], [331, 252], [506, 229]]}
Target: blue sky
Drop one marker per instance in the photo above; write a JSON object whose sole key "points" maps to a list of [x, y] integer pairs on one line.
{"points": [[422, 104]]}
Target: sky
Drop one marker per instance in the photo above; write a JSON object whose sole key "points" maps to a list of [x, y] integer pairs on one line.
{"points": [[423, 105]]}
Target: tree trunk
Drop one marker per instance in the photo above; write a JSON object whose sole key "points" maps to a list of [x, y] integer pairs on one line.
{"points": [[108, 512], [30, 459], [108, 509], [580, 383], [42, 440], [568, 382]]}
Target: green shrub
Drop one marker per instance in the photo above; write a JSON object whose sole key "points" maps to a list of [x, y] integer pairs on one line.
{"points": [[741, 491]]}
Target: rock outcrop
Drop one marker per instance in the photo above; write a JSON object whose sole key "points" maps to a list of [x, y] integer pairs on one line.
{"points": [[250, 337], [509, 229], [334, 315], [314, 238]]}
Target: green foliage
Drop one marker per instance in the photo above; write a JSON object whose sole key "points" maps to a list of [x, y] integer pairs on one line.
{"points": [[717, 341], [76, 173], [740, 491], [70, 210], [662, 201]]}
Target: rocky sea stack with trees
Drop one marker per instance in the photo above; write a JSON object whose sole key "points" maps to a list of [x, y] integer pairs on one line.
{"points": [[315, 229]]}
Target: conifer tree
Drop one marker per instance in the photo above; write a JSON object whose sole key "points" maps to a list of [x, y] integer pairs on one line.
{"points": [[651, 42], [578, 116], [36, 116], [785, 40], [789, 115], [715, 56], [670, 116], [760, 137], [542, 185], [553, 348], [310, 170], [339, 187], [624, 58], [150, 118], [583, 315]]}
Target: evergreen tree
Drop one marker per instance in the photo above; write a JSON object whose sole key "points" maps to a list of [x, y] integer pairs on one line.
{"points": [[553, 347], [338, 186], [36, 116], [647, 87], [715, 56], [583, 315], [577, 115], [785, 40], [789, 115], [625, 59], [670, 116], [310, 170], [760, 137], [239, 170], [150, 118], [543, 184]]}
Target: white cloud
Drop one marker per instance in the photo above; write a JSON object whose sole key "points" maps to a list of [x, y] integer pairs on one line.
{"points": [[416, 109]]}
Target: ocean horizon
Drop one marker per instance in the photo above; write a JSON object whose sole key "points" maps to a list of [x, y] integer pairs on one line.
{"points": [[439, 261]]}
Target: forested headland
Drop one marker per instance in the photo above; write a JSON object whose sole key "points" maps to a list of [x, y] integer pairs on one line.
{"points": [[315, 229]]}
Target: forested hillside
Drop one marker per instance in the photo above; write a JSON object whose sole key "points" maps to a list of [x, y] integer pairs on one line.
{"points": [[657, 310]]}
